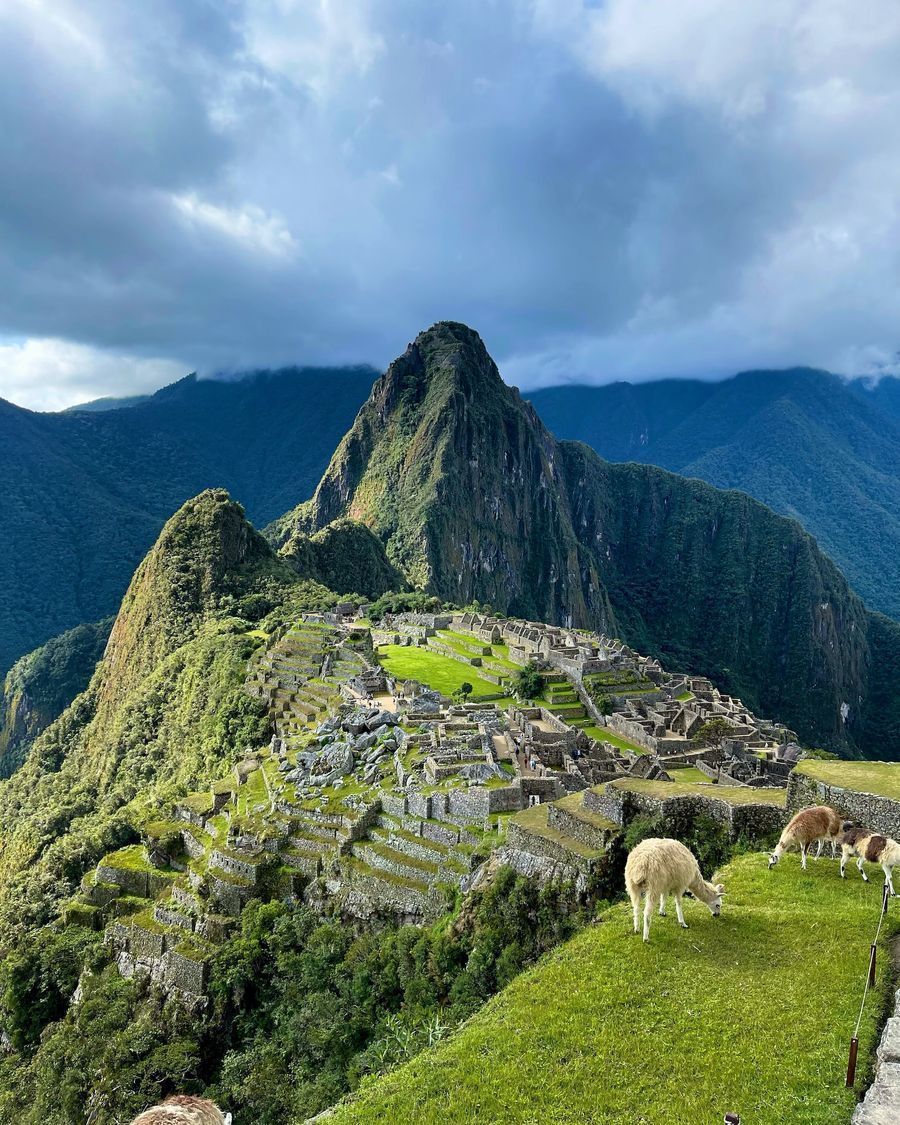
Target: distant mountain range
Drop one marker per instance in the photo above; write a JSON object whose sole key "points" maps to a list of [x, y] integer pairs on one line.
{"points": [[809, 444], [85, 492]]}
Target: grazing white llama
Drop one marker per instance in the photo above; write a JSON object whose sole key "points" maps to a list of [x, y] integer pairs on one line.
{"points": [[814, 825], [181, 1109], [658, 868], [866, 845]]}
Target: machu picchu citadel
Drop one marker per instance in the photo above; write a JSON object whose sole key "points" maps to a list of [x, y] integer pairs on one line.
{"points": [[380, 797]]}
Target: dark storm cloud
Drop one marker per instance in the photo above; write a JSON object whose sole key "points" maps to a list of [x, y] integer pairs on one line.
{"points": [[616, 190]]}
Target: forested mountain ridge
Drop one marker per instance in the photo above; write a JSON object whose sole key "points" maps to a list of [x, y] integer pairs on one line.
{"points": [[474, 498], [165, 706], [86, 493], [42, 684], [809, 444]]}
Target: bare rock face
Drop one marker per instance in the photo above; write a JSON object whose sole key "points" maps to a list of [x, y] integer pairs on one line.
{"points": [[339, 758]]}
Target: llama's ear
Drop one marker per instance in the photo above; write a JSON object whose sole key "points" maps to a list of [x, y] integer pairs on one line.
{"points": [[720, 888]]}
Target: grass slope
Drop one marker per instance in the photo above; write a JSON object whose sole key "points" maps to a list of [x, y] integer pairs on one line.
{"points": [[751, 1013], [439, 672], [880, 778]]}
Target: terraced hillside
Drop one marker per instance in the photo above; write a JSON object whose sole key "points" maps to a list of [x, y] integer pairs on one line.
{"points": [[380, 793]]}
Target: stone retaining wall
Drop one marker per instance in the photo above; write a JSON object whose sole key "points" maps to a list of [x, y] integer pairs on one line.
{"points": [[234, 866], [881, 1105], [520, 839], [582, 830], [144, 884], [878, 813], [753, 821], [231, 897]]}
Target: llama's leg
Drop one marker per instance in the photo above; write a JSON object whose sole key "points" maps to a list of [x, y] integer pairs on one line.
{"points": [[859, 864], [662, 906], [833, 848], [648, 910], [803, 856], [821, 845], [887, 869], [635, 897], [680, 913], [844, 857]]}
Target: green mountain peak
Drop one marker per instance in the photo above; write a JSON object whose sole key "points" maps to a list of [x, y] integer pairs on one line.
{"points": [[473, 498]]}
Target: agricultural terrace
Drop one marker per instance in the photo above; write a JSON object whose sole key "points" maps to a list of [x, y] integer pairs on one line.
{"points": [[605, 1029], [879, 778]]}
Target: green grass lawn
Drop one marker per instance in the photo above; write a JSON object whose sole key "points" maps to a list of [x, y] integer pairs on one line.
{"points": [[751, 1013], [604, 734], [687, 773], [439, 672], [735, 794], [880, 778]]}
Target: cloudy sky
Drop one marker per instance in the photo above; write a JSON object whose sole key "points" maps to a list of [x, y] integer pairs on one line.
{"points": [[611, 189]]}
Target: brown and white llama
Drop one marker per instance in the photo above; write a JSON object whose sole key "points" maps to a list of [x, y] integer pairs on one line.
{"points": [[182, 1109], [871, 846], [659, 868], [819, 824]]}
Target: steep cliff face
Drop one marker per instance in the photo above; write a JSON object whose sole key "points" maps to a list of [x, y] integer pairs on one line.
{"points": [[457, 476], [715, 582], [474, 498], [42, 684]]}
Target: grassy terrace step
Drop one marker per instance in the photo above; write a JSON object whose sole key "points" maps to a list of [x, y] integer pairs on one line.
{"points": [[534, 821], [356, 866], [604, 734], [574, 806], [879, 778], [434, 669], [734, 794], [687, 773], [377, 855], [608, 1030], [438, 850]]}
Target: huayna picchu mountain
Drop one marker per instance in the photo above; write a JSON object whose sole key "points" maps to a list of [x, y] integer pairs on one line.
{"points": [[475, 499]]}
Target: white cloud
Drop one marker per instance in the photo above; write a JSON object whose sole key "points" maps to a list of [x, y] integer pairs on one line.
{"points": [[54, 374], [248, 225]]}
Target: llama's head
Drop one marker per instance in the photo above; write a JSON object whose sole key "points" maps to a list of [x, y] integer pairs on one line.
{"points": [[773, 859], [715, 902]]}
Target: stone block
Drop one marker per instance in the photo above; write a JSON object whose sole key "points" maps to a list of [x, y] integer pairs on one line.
{"points": [[881, 1105], [889, 1047]]}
